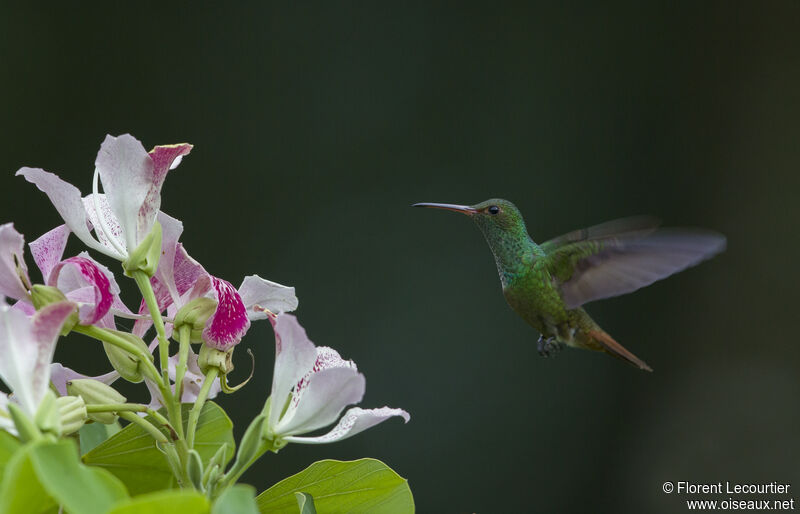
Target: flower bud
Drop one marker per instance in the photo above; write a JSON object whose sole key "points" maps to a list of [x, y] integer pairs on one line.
{"points": [[195, 314], [213, 358], [43, 296], [47, 416], [251, 440], [94, 392], [194, 469], [127, 364], [145, 256], [72, 411]]}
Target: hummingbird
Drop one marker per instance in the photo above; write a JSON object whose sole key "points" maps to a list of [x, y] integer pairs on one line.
{"points": [[547, 283]]}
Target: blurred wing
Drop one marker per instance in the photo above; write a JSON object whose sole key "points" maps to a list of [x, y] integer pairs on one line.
{"points": [[634, 226], [602, 263]]}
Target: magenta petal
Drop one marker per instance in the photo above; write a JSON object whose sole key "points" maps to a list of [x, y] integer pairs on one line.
{"points": [[164, 159], [225, 328], [48, 249], [74, 274], [11, 248], [186, 271]]}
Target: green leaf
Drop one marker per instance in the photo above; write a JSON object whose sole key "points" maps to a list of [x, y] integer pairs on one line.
{"points": [[239, 499], [364, 485], [8, 446], [75, 486], [177, 501], [131, 454], [306, 503], [92, 434], [21, 490]]}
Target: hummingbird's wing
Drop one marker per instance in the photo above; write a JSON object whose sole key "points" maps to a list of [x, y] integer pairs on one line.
{"points": [[622, 256]]}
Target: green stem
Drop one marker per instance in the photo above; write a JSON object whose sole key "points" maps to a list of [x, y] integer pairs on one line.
{"points": [[173, 404], [145, 425], [194, 414], [184, 334], [143, 281]]}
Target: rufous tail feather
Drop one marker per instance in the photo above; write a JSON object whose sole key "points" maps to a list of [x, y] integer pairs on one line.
{"points": [[617, 350]]}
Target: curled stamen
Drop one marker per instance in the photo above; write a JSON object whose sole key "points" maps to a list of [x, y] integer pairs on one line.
{"points": [[224, 382]]}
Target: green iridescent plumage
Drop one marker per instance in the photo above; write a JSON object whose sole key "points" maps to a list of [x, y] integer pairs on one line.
{"points": [[546, 284]]}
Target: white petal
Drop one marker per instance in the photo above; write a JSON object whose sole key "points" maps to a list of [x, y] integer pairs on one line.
{"points": [[11, 248], [126, 171], [295, 355], [19, 355], [256, 291], [328, 392], [354, 421], [67, 200]]}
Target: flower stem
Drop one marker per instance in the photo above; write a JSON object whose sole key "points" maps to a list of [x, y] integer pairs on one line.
{"points": [[184, 334], [144, 425], [134, 407], [143, 281], [194, 414]]}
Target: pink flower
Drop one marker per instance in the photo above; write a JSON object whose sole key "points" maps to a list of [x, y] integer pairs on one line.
{"points": [[82, 279], [180, 279]]}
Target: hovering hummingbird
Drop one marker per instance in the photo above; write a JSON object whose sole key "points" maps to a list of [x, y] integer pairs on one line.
{"points": [[547, 283]]}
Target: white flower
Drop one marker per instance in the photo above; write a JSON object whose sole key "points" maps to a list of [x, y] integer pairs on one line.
{"points": [[124, 215], [310, 388]]}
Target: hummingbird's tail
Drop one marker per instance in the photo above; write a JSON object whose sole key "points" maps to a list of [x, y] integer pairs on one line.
{"points": [[612, 347]]}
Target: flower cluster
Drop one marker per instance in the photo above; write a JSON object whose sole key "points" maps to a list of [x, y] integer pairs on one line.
{"points": [[182, 304]]}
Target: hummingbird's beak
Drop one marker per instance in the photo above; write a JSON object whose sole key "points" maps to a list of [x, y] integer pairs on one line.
{"points": [[463, 209]]}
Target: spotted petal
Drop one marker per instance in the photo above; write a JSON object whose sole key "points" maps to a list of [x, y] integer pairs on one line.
{"points": [[11, 248], [225, 328], [84, 280], [48, 249], [322, 394], [164, 158], [355, 420]]}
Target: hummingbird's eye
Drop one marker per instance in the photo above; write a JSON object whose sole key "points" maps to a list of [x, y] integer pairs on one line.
{"points": [[493, 209]]}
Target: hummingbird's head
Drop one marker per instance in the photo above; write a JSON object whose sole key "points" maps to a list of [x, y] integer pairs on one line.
{"points": [[502, 226], [493, 215]]}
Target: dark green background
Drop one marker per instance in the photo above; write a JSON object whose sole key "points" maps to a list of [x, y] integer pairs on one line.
{"points": [[316, 126]]}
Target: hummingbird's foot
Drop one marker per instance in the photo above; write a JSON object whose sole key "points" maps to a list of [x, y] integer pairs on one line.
{"points": [[547, 347]]}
